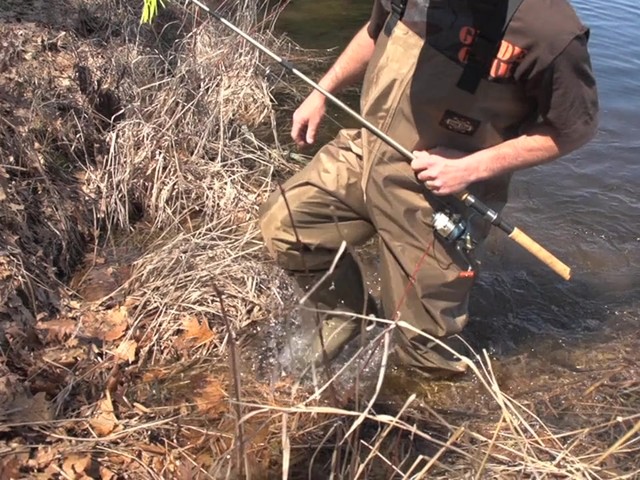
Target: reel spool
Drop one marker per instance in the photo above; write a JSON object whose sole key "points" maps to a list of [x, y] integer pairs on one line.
{"points": [[450, 228]]}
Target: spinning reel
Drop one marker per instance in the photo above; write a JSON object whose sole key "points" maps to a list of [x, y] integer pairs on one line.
{"points": [[453, 229]]}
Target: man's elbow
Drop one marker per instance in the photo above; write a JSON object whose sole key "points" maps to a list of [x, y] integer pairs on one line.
{"points": [[568, 142]]}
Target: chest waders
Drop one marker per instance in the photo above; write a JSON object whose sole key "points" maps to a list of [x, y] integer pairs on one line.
{"points": [[357, 186], [423, 99]]}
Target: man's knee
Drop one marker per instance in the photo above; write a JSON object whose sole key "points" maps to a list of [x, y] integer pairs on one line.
{"points": [[296, 232], [276, 226]]}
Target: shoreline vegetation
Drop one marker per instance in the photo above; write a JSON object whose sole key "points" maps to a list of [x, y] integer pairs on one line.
{"points": [[133, 162]]}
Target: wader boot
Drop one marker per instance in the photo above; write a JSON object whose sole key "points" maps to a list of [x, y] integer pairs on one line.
{"points": [[338, 305]]}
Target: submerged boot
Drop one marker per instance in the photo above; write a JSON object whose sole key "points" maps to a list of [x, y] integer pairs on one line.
{"points": [[337, 304], [335, 330], [428, 357], [332, 335]]}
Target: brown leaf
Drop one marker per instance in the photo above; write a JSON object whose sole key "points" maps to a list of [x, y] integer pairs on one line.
{"points": [[57, 330], [66, 356], [27, 409], [10, 467], [52, 471], [117, 321], [109, 325], [211, 398], [206, 459], [105, 420], [4, 184], [10, 386], [196, 333], [115, 332], [75, 464], [106, 474], [75, 304], [186, 471], [126, 351], [152, 449], [155, 374], [44, 457]]}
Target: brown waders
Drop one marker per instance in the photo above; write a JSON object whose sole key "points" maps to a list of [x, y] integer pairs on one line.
{"points": [[327, 206], [357, 186]]}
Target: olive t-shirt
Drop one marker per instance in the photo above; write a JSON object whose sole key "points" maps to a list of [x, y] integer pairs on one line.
{"points": [[549, 43]]}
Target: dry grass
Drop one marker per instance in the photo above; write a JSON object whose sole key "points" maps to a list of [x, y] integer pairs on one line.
{"points": [[149, 150]]}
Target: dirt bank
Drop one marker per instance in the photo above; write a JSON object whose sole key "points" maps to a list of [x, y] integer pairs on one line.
{"points": [[128, 182]]}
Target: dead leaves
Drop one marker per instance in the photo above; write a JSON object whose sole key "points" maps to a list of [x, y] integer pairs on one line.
{"points": [[100, 280], [109, 325], [82, 466], [43, 457], [211, 398], [4, 184], [27, 409], [104, 421], [106, 474], [112, 325], [75, 466], [58, 330], [45, 463], [66, 356], [126, 351], [195, 333], [10, 467], [116, 322]]}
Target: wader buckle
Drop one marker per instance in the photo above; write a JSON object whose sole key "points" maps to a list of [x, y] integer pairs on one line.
{"points": [[398, 7]]}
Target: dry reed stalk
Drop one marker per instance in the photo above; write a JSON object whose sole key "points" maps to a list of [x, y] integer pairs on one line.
{"points": [[237, 387], [570, 465], [375, 449], [618, 444]]}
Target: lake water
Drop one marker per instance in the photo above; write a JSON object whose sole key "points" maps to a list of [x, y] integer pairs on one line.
{"points": [[585, 207]]}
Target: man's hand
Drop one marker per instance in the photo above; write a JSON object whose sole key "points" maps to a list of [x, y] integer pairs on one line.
{"points": [[348, 68], [307, 118], [443, 170]]}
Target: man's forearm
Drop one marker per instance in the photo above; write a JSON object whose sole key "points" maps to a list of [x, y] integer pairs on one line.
{"points": [[534, 148], [446, 171], [347, 69], [351, 64]]}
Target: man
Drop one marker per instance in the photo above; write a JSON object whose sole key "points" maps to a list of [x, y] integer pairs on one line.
{"points": [[478, 89]]}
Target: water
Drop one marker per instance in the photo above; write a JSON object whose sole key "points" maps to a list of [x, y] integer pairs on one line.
{"points": [[324, 24], [584, 207]]}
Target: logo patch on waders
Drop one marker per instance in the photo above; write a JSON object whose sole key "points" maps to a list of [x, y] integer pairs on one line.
{"points": [[458, 123]]}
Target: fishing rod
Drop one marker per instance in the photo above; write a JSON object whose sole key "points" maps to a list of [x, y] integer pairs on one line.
{"points": [[466, 197]]}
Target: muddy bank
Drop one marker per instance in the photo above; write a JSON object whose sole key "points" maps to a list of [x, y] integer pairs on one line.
{"points": [[129, 178]]}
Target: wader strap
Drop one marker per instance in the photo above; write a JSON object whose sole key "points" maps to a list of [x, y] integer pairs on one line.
{"points": [[398, 7], [490, 20]]}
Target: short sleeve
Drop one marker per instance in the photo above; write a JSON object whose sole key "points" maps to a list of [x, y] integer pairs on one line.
{"points": [[566, 95], [378, 18]]}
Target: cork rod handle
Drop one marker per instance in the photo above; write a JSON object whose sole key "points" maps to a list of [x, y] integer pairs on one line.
{"points": [[540, 253]]}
